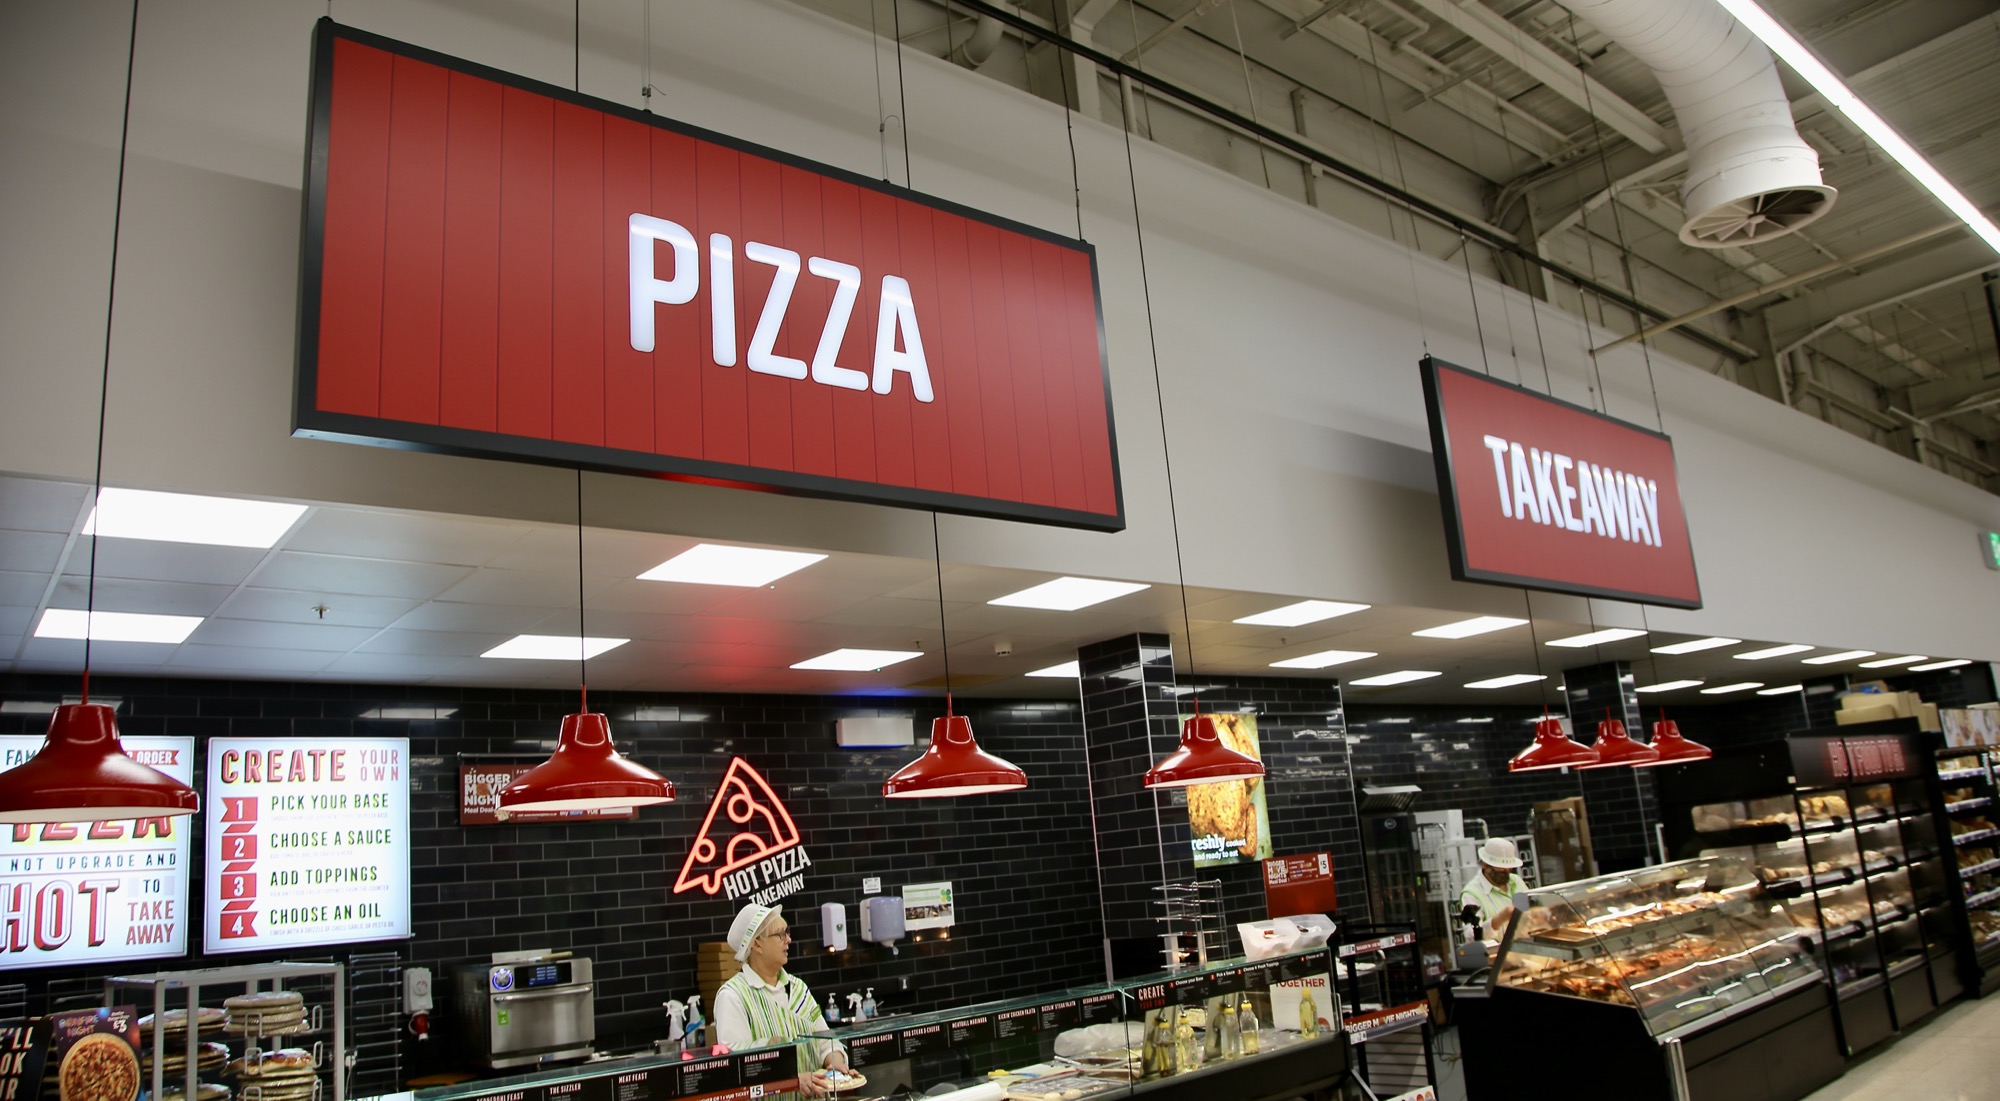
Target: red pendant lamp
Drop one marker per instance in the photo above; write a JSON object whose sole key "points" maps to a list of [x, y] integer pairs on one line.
{"points": [[1201, 758], [82, 773], [1673, 748], [1552, 749], [1616, 748], [954, 764], [586, 771]]}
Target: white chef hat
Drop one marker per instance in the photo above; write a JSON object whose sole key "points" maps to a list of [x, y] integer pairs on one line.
{"points": [[749, 920]]}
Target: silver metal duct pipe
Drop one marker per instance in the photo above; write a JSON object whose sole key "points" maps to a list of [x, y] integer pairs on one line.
{"points": [[974, 51], [1750, 176]]}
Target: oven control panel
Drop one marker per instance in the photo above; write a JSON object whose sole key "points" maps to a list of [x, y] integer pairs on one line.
{"points": [[506, 978]]}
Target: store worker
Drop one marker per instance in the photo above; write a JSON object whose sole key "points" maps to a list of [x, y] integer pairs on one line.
{"points": [[1492, 893], [765, 1004]]}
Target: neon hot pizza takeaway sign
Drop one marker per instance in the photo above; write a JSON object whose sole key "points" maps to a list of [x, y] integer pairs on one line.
{"points": [[749, 847]]}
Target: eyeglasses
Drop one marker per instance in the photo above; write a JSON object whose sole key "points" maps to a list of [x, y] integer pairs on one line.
{"points": [[775, 933]]}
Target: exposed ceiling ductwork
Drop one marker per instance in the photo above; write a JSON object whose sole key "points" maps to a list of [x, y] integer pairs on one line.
{"points": [[1751, 177]]}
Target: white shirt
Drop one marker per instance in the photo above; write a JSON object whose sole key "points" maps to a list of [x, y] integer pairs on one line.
{"points": [[750, 1012], [1491, 900]]}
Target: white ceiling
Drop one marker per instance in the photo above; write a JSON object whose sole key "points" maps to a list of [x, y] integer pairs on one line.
{"points": [[373, 595]]}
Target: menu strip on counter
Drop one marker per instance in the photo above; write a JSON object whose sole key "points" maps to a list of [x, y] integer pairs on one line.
{"points": [[865, 1051], [971, 1030], [1097, 1009], [1009, 1023], [923, 1040], [709, 1075]]}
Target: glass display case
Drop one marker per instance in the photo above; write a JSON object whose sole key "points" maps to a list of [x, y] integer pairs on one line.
{"points": [[1965, 777], [1680, 943]]}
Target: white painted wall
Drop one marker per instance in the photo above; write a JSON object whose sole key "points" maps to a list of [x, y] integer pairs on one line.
{"points": [[1286, 340]]}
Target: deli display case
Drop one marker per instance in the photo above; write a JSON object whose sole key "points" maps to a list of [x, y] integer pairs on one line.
{"points": [[1965, 776], [1842, 827], [1689, 979]]}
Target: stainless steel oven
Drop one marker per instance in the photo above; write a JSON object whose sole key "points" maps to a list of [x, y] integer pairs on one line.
{"points": [[522, 1012]]}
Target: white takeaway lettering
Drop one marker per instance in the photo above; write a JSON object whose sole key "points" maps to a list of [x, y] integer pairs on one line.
{"points": [[1559, 490], [899, 344]]}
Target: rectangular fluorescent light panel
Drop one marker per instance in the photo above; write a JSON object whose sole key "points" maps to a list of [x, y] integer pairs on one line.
{"points": [[1302, 613], [1784, 691], [1402, 677], [743, 567], [553, 647], [858, 661], [1740, 686], [1323, 659], [187, 518], [1068, 670], [1597, 638], [1773, 652], [1067, 594], [1695, 645], [116, 626], [410, 713], [1666, 686], [1951, 663], [1466, 628], [1844, 655], [1906, 659], [1482, 719], [1508, 681], [1795, 54]]}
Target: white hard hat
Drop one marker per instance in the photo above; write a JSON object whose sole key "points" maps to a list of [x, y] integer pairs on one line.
{"points": [[749, 920], [1498, 852]]}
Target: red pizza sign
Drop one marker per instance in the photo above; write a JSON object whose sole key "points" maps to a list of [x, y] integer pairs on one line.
{"points": [[1543, 494], [748, 847], [494, 266]]}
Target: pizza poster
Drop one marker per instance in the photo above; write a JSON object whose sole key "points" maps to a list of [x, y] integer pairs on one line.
{"points": [[1229, 820], [93, 1055], [308, 842], [96, 892], [481, 782]]}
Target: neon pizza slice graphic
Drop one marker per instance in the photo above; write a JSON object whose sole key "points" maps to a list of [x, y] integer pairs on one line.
{"points": [[756, 823]]}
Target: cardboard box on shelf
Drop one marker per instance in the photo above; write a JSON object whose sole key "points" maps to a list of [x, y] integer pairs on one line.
{"points": [[1562, 841], [1848, 716], [1927, 717]]}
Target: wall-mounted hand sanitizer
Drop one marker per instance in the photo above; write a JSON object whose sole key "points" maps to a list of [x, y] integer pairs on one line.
{"points": [[882, 919], [833, 926]]}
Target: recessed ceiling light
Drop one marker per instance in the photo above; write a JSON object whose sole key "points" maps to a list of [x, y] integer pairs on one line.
{"points": [[553, 647], [1322, 659], [1596, 638], [188, 518], [416, 713], [1396, 722], [1773, 652], [1951, 663], [1844, 655], [1402, 677], [1508, 681], [1481, 719], [1906, 659], [1830, 87], [1695, 645], [1067, 594], [116, 626], [48, 707], [857, 661], [1666, 686], [1068, 670], [743, 567], [1742, 686], [1466, 628], [1302, 613], [1783, 691]]}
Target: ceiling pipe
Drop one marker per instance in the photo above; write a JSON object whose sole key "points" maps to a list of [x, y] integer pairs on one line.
{"points": [[976, 50], [1750, 176]]}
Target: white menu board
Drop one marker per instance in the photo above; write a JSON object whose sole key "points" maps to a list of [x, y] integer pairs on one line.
{"points": [[96, 892], [308, 842]]}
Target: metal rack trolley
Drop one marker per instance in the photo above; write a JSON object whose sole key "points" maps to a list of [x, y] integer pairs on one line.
{"points": [[252, 979]]}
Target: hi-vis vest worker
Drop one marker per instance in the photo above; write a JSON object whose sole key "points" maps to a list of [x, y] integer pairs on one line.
{"points": [[765, 1004], [1492, 893]]}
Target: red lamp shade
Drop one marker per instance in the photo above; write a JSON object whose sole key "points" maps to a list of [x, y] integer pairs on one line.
{"points": [[1674, 749], [1615, 748], [586, 773], [953, 765], [83, 775], [1201, 759], [1552, 749]]}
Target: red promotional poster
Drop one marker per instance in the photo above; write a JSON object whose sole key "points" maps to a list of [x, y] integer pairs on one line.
{"points": [[479, 788], [93, 1055], [499, 267], [1299, 885], [1543, 494]]}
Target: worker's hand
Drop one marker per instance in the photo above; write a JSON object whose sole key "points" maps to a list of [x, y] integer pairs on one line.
{"points": [[1499, 922], [815, 1084], [835, 1060]]}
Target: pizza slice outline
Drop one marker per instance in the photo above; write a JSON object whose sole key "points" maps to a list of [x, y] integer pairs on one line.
{"points": [[745, 798]]}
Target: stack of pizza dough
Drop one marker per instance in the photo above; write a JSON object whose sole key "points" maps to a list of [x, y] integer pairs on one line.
{"points": [[286, 1074], [166, 1040], [269, 1013]]}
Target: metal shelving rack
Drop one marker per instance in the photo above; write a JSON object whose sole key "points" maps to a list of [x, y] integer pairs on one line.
{"points": [[251, 979], [1975, 881]]}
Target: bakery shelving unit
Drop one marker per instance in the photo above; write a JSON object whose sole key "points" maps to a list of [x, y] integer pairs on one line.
{"points": [[1966, 792], [167, 990], [1384, 1006], [1842, 827]]}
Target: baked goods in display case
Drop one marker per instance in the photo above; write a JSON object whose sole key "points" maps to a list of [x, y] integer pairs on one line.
{"points": [[1677, 943]]}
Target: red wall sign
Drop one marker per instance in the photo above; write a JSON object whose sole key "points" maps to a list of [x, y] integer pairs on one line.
{"points": [[1543, 494], [498, 267]]}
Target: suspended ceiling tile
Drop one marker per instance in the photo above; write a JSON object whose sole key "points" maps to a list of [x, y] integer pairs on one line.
{"points": [[522, 588], [152, 560], [23, 589], [404, 536], [246, 660], [15, 620], [105, 657], [331, 574], [31, 550], [399, 668], [280, 636], [291, 606], [438, 644], [117, 594], [501, 620], [31, 504]]}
